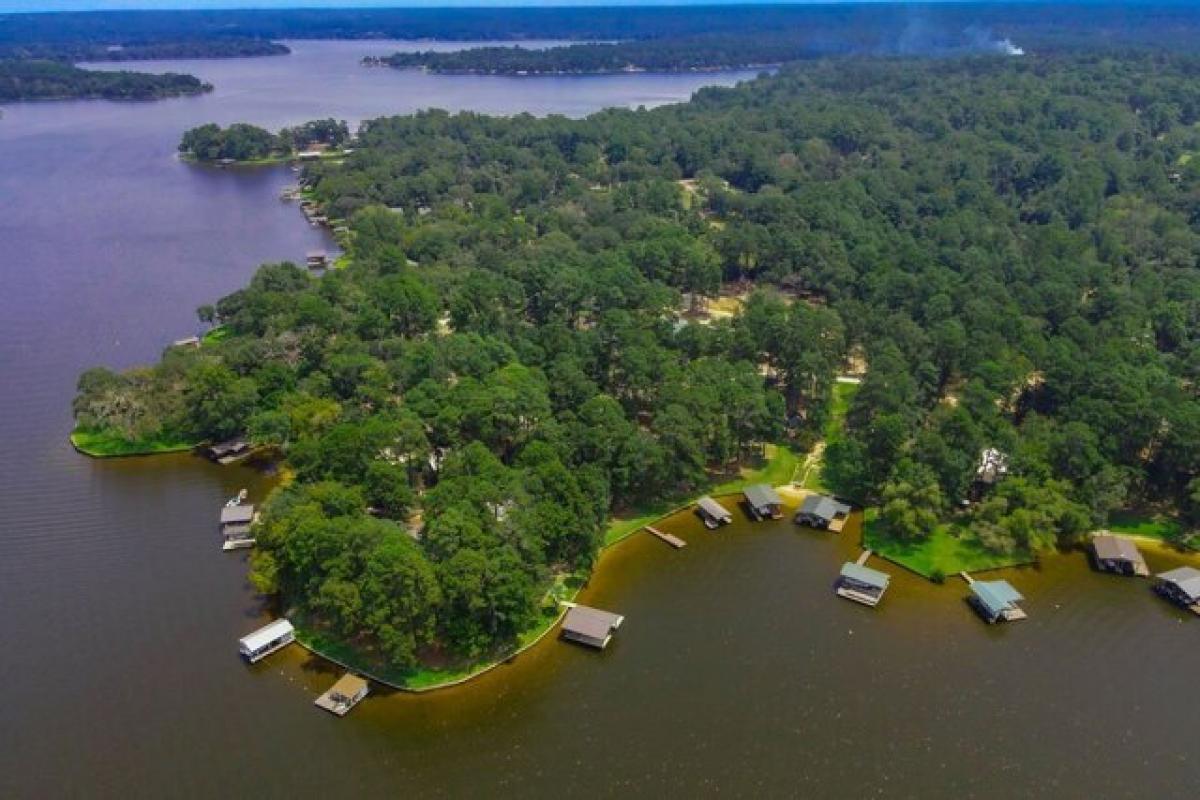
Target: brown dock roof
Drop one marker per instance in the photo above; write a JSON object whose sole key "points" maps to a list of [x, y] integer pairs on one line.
{"points": [[1115, 548], [591, 623]]}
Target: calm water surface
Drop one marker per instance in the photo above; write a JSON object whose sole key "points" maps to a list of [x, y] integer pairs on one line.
{"points": [[737, 671]]}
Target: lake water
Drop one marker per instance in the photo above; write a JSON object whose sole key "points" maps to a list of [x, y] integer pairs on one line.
{"points": [[737, 671]]}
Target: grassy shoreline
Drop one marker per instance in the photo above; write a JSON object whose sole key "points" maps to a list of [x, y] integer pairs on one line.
{"points": [[265, 161], [107, 444]]}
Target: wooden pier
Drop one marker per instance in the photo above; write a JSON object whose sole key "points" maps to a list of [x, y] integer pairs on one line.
{"points": [[863, 558], [674, 541]]}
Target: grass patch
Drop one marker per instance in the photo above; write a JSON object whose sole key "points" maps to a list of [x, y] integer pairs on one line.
{"points": [[948, 550], [1150, 526], [110, 444], [217, 334]]}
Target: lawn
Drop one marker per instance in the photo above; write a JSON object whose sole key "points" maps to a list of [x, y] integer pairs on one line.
{"points": [[839, 406], [1150, 526], [942, 553], [217, 334], [109, 444]]}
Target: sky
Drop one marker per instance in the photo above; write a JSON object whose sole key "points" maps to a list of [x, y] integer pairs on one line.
{"points": [[93, 5]]}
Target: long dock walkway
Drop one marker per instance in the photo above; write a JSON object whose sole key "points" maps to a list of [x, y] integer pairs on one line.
{"points": [[863, 558], [966, 578], [674, 541]]}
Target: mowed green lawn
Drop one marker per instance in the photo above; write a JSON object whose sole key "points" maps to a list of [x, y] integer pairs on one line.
{"points": [[108, 444], [942, 554], [1150, 526]]}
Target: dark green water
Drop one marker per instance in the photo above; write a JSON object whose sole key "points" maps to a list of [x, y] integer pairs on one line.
{"points": [[737, 672]]}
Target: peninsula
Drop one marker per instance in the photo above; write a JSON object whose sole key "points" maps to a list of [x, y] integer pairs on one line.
{"points": [[543, 322]]}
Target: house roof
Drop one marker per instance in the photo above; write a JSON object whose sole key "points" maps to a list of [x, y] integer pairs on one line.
{"points": [[266, 634], [713, 508], [1186, 578], [996, 595], [234, 514], [592, 623], [871, 577], [759, 494], [1115, 548], [826, 508]]}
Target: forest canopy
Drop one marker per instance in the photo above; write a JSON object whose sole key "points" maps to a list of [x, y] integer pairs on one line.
{"points": [[50, 80], [242, 142], [520, 345]]}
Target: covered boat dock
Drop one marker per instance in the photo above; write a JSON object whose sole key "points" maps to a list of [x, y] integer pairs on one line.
{"points": [[823, 513], [236, 521], [1181, 586], [713, 513], [995, 601], [1117, 554], [763, 502], [266, 640], [591, 626], [860, 583]]}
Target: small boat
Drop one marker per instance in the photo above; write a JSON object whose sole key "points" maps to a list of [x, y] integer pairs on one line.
{"points": [[237, 499]]}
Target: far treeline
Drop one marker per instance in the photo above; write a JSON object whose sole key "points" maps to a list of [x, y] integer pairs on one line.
{"points": [[142, 51], [666, 55], [833, 27], [51, 80], [242, 142], [1008, 246]]}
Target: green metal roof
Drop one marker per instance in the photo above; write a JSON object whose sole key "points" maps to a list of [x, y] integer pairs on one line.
{"points": [[996, 595], [871, 577], [759, 495]]}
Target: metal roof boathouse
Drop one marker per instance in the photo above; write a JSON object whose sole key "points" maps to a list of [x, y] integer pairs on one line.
{"points": [[1181, 586], [763, 501], [823, 513], [266, 640], [862, 584], [590, 626], [236, 521], [996, 601], [713, 513], [1117, 554]]}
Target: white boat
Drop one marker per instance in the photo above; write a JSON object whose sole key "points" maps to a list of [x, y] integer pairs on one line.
{"points": [[237, 499]]}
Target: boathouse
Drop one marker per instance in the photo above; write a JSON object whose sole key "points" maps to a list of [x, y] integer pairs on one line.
{"points": [[266, 640], [235, 525], [1117, 554], [763, 501], [590, 626], [229, 451], [824, 513], [343, 695], [862, 584], [713, 513], [316, 259], [1181, 586], [996, 601]]}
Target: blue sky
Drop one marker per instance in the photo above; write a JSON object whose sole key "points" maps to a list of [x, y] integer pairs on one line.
{"points": [[91, 5]]}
